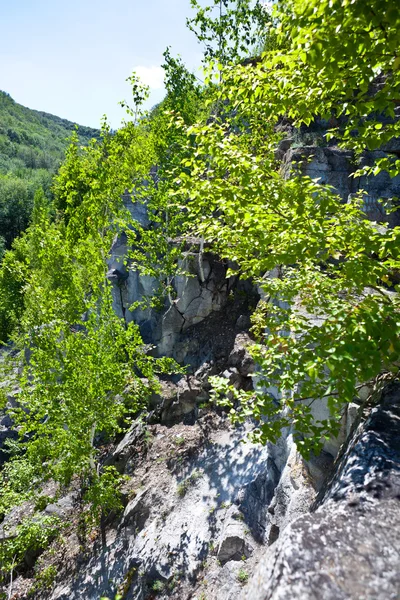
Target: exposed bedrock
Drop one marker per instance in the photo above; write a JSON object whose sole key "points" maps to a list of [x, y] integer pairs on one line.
{"points": [[334, 166], [348, 547], [201, 290], [205, 511]]}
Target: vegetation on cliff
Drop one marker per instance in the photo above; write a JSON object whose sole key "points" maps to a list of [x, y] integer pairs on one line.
{"points": [[82, 371], [339, 63], [217, 178]]}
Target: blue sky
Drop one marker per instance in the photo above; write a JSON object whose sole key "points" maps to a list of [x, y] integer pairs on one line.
{"points": [[71, 58]]}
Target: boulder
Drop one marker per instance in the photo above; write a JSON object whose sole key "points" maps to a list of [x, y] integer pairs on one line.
{"points": [[233, 543], [136, 513], [240, 357], [126, 447], [348, 547], [189, 393], [348, 555], [64, 507]]}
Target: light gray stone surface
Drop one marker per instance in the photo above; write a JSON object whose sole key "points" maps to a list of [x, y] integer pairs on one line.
{"points": [[349, 548], [199, 289], [162, 533], [335, 167], [234, 542]]}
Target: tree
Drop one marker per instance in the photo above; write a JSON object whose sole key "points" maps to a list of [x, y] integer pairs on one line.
{"points": [[16, 265], [338, 61], [153, 251], [229, 29], [16, 200], [82, 371]]}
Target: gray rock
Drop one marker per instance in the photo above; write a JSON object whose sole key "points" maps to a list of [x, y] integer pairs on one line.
{"points": [[233, 377], [171, 326], [349, 548], [167, 535], [348, 555], [319, 466], [136, 513], [6, 421], [330, 165], [334, 166], [369, 467], [254, 498], [233, 547], [63, 508], [126, 447], [189, 393], [243, 323], [137, 209], [240, 357], [293, 495], [224, 583], [199, 289], [234, 544]]}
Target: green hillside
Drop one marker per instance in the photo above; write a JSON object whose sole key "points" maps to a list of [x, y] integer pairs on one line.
{"points": [[31, 139], [32, 145]]}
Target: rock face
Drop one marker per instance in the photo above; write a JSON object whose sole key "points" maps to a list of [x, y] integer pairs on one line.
{"points": [[180, 523], [334, 166], [204, 511], [348, 549], [199, 289]]}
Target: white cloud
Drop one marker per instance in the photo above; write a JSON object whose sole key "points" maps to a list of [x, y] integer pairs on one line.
{"points": [[152, 76]]}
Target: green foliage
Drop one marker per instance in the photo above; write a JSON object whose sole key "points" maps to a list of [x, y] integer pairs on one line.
{"points": [[330, 318], [103, 494], [242, 576], [33, 535], [329, 322], [228, 29], [179, 440], [33, 140], [32, 146], [16, 203], [44, 580], [158, 586], [82, 371], [152, 250], [140, 94], [16, 265]]}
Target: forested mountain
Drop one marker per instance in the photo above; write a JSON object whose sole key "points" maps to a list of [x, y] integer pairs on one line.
{"points": [[32, 146], [31, 139]]}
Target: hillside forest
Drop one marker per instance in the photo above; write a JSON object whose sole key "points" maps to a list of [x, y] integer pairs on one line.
{"points": [[32, 147]]}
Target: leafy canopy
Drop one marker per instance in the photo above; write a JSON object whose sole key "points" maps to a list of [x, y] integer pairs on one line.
{"points": [[81, 370], [229, 29], [329, 321], [32, 147]]}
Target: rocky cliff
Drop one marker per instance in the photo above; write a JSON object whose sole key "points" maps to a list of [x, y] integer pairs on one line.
{"points": [[209, 515]]}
